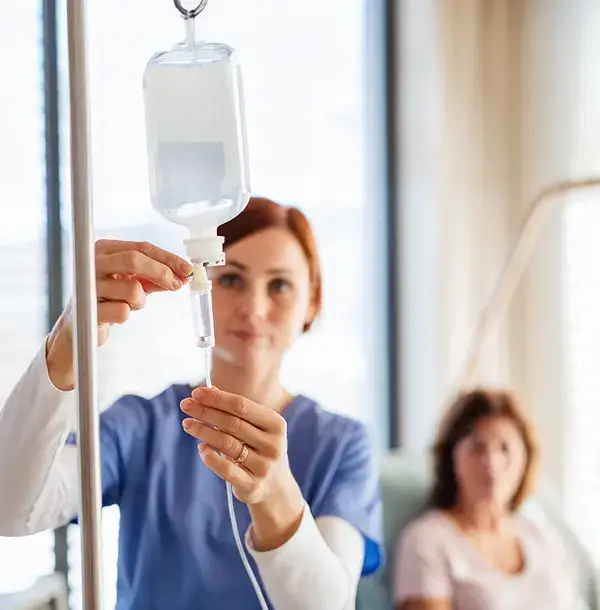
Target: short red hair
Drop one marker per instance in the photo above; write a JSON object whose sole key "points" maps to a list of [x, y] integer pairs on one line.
{"points": [[262, 213]]}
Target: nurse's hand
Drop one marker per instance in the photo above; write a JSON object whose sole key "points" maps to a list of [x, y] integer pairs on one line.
{"points": [[125, 273], [253, 441]]}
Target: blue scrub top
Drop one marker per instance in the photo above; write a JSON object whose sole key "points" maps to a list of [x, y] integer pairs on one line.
{"points": [[176, 547]]}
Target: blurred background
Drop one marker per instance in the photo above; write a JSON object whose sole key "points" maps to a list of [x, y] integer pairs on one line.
{"points": [[412, 133]]}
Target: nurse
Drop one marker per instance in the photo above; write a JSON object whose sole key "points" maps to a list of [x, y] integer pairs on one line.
{"points": [[304, 478]]}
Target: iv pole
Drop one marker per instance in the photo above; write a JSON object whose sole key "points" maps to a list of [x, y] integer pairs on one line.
{"points": [[85, 339]]}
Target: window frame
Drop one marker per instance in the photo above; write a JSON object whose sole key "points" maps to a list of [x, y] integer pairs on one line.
{"points": [[54, 241]]}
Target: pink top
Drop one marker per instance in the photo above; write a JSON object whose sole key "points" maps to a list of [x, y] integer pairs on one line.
{"points": [[435, 560]]}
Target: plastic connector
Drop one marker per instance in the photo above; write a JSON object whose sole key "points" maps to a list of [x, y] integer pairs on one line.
{"points": [[201, 290]]}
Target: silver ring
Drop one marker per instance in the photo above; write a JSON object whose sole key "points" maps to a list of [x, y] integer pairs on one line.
{"points": [[243, 455], [192, 13]]}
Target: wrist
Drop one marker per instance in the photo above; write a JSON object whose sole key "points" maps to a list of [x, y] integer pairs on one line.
{"points": [[59, 357], [277, 518]]}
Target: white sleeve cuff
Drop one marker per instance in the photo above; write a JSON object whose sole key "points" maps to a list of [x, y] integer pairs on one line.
{"points": [[58, 403], [287, 554], [40, 363]]}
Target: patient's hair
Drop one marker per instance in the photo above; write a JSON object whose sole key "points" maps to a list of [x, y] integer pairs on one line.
{"points": [[467, 410]]}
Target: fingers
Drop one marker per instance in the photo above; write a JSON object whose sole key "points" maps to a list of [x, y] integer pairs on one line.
{"points": [[127, 291], [157, 268], [128, 271], [223, 443], [113, 312], [117, 298], [224, 468], [242, 408], [230, 424], [135, 264], [179, 266]]}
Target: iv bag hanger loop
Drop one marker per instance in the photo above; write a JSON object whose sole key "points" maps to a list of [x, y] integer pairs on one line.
{"points": [[192, 13]]}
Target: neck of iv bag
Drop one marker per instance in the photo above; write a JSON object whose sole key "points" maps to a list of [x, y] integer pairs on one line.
{"points": [[196, 141]]}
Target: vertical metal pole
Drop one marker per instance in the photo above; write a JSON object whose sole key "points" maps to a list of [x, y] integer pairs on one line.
{"points": [[86, 314]]}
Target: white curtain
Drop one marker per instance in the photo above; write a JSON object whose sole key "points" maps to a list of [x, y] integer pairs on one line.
{"points": [[488, 117], [481, 171], [461, 191]]}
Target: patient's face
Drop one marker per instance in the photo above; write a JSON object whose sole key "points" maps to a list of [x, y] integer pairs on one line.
{"points": [[490, 462]]}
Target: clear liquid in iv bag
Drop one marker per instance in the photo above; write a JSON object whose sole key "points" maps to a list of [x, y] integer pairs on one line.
{"points": [[197, 150]]}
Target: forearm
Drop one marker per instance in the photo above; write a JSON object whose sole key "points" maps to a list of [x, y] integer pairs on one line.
{"points": [[59, 354], [307, 573], [34, 423]]}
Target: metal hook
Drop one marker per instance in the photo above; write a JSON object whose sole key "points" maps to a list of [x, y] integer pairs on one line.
{"points": [[192, 13]]}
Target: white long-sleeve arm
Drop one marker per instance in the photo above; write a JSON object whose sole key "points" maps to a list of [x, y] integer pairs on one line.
{"points": [[318, 568], [38, 475]]}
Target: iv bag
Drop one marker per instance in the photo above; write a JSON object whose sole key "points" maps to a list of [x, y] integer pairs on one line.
{"points": [[196, 135]]}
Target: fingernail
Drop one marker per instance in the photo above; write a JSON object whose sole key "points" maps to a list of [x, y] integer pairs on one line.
{"points": [[187, 424], [186, 268], [202, 450], [186, 405], [199, 393], [177, 284]]}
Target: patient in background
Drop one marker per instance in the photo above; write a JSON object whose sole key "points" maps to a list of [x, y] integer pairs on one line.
{"points": [[471, 550]]}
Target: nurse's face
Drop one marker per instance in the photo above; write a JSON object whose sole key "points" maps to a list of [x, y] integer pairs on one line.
{"points": [[261, 298]]}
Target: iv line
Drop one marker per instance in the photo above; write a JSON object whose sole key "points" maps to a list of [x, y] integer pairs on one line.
{"points": [[230, 502], [518, 255], [242, 552]]}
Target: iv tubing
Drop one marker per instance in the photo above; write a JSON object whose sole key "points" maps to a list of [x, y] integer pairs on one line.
{"points": [[242, 552], [230, 504], [518, 255]]}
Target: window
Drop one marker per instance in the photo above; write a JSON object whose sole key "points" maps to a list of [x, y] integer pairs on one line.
{"points": [[581, 290], [305, 109], [22, 257], [305, 101]]}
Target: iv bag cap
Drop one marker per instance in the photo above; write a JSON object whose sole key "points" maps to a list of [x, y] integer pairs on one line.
{"points": [[205, 250]]}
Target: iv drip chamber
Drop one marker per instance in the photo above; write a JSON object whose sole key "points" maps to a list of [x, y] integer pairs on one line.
{"points": [[201, 290], [196, 140]]}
